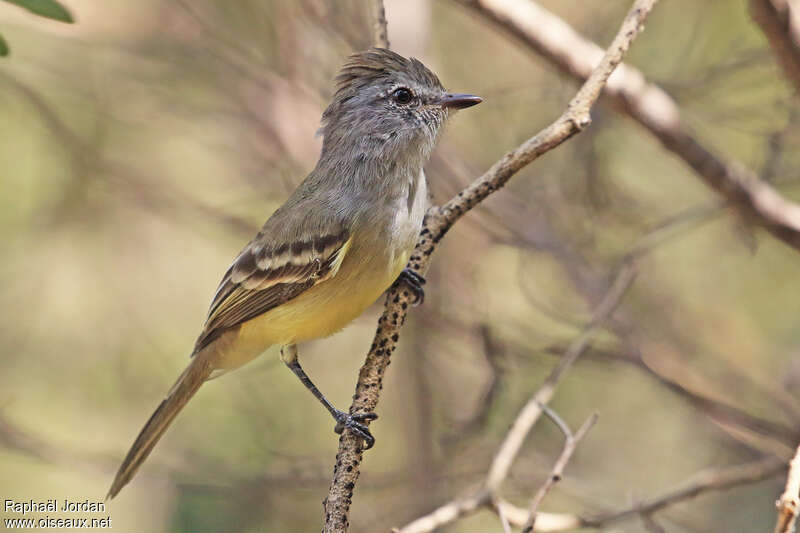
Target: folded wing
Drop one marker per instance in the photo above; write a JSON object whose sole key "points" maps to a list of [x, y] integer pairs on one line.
{"points": [[265, 276]]}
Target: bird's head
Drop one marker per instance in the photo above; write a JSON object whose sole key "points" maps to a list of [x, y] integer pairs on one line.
{"points": [[387, 106]]}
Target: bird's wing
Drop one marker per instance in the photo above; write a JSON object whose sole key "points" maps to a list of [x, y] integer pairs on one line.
{"points": [[265, 276]]}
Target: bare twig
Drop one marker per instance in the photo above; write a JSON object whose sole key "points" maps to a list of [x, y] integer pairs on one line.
{"points": [[700, 483], [723, 412], [650, 106], [704, 481], [486, 496], [456, 509], [559, 422], [535, 407], [452, 511], [570, 443], [779, 21], [438, 221], [501, 514], [789, 502]]}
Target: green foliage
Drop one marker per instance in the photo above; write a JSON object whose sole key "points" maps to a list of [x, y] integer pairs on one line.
{"points": [[45, 8]]}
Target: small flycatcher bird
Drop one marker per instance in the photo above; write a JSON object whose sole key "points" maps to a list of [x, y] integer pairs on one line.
{"points": [[340, 240]]}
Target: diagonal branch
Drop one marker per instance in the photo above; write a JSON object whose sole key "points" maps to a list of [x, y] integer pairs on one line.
{"points": [[487, 495], [651, 107], [703, 481], [438, 221], [780, 22], [570, 443], [536, 405]]}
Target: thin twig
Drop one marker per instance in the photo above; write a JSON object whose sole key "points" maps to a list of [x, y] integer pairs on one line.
{"points": [[703, 481], [570, 443], [651, 107], [722, 411], [789, 502], [438, 221], [486, 496], [533, 409], [452, 511], [778, 19], [501, 514], [697, 484], [700, 483], [726, 414], [559, 422]]}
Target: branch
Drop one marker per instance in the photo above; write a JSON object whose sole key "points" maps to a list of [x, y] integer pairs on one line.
{"points": [[501, 514], [700, 483], [703, 481], [570, 443], [437, 222], [486, 496], [789, 502], [722, 411], [452, 511], [650, 106], [778, 19], [536, 405]]}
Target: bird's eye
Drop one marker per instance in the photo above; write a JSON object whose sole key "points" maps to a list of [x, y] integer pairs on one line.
{"points": [[402, 95]]}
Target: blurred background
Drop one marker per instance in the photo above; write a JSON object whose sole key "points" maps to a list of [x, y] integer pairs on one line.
{"points": [[142, 147]]}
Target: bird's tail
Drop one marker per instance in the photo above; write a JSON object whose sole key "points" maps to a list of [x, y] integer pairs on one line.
{"points": [[179, 395]]}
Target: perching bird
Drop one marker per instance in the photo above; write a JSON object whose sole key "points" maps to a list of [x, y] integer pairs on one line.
{"points": [[340, 240]]}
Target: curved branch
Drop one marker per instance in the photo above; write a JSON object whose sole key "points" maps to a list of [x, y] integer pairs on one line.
{"points": [[650, 106]]}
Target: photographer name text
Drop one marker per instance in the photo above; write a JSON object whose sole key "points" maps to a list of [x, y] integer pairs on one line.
{"points": [[53, 506]]}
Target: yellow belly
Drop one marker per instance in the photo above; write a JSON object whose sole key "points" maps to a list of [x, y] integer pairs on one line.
{"points": [[367, 270], [318, 312]]}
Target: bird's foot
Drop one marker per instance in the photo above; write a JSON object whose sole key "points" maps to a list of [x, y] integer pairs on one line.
{"points": [[414, 282], [354, 422]]}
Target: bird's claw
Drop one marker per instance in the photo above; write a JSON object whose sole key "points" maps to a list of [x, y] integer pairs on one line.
{"points": [[353, 422], [414, 282]]}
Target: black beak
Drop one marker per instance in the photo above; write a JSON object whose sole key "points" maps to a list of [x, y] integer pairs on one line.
{"points": [[460, 101]]}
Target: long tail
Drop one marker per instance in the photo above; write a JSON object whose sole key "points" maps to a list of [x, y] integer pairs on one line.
{"points": [[179, 395]]}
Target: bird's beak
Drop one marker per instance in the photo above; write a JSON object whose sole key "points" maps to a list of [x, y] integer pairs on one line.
{"points": [[460, 101]]}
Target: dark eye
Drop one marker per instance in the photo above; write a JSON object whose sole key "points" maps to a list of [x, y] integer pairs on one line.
{"points": [[403, 95]]}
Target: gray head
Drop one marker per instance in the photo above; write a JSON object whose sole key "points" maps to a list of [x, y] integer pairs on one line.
{"points": [[387, 107]]}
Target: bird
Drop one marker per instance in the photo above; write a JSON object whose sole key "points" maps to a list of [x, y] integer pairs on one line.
{"points": [[340, 240]]}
